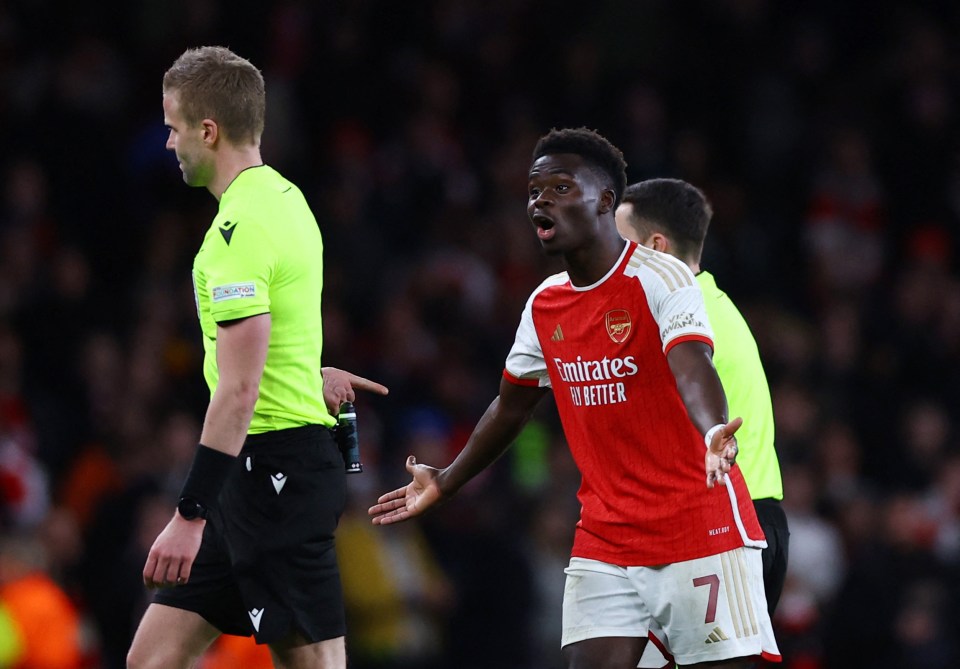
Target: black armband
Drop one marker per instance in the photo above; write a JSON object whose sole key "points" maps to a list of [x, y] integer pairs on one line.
{"points": [[208, 473]]}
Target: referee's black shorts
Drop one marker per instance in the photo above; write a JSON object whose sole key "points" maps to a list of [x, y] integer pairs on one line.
{"points": [[267, 564], [773, 520]]}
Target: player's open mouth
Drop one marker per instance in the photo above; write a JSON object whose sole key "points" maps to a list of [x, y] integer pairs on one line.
{"points": [[544, 227]]}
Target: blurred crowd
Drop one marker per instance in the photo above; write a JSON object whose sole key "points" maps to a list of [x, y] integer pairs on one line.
{"points": [[825, 133]]}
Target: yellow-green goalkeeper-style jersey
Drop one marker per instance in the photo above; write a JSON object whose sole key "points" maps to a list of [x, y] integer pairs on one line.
{"points": [[738, 364], [263, 253]]}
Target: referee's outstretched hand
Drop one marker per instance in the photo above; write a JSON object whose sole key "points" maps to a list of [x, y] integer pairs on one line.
{"points": [[410, 500], [339, 387]]}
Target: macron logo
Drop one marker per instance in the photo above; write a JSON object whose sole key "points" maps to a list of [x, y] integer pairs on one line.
{"points": [[255, 616], [279, 480], [227, 231]]}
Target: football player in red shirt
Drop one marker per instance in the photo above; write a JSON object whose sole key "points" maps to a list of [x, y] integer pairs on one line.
{"points": [[668, 543]]}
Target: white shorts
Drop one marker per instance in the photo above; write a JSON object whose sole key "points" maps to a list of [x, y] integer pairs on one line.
{"points": [[701, 610]]}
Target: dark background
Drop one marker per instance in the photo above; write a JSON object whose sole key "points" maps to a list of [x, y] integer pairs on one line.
{"points": [[825, 134]]}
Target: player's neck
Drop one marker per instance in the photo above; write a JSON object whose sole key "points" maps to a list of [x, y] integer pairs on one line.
{"points": [[230, 163], [587, 265]]}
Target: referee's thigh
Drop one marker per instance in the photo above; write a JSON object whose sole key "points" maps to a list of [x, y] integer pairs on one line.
{"points": [[293, 654], [169, 638]]}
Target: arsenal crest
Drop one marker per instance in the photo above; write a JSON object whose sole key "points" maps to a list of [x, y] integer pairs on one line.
{"points": [[619, 325]]}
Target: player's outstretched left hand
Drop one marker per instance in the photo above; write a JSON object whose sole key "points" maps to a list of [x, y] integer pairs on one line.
{"points": [[722, 452], [410, 500]]}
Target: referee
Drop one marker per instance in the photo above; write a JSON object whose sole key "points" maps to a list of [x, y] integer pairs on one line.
{"points": [[250, 547], [672, 216]]}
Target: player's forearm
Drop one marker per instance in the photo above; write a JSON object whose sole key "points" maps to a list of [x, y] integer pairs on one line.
{"points": [[704, 401], [698, 384]]}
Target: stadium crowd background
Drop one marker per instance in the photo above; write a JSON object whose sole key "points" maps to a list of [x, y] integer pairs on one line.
{"points": [[825, 134]]}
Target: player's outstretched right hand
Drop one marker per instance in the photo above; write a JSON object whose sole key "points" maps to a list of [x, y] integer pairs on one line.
{"points": [[722, 452], [411, 500]]}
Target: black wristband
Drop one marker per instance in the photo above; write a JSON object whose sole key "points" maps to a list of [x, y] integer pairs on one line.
{"points": [[207, 475]]}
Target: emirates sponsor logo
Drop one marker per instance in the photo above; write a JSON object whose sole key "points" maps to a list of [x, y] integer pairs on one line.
{"points": [[606, 369]]}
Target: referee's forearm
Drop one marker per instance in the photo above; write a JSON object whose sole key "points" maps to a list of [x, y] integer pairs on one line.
{"points": [[228, 419]]}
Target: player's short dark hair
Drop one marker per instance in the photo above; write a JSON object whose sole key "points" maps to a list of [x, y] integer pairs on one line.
{"points": [[593, 147], [213, 82], [674, 208]]}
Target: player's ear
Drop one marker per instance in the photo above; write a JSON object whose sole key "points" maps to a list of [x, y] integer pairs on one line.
{"points": [[658, 242], [211, 131], [607, 201]]}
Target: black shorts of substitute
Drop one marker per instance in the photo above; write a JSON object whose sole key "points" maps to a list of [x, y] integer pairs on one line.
{"points": [[267, 564], [773, 521]]}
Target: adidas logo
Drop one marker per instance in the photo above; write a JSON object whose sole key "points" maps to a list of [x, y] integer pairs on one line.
{"points": [[255, 616], [716, 636], [557, 334]]}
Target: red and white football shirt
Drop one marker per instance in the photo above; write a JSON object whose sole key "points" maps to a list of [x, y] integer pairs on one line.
{"points": [[602, 348]]}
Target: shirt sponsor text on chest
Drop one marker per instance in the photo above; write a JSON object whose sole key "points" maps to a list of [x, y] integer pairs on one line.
{"points": [[599, 394], [606, 369]]}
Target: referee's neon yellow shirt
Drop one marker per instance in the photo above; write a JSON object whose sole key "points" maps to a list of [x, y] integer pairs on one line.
{"points": [[264, 253], [738, 364]]}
